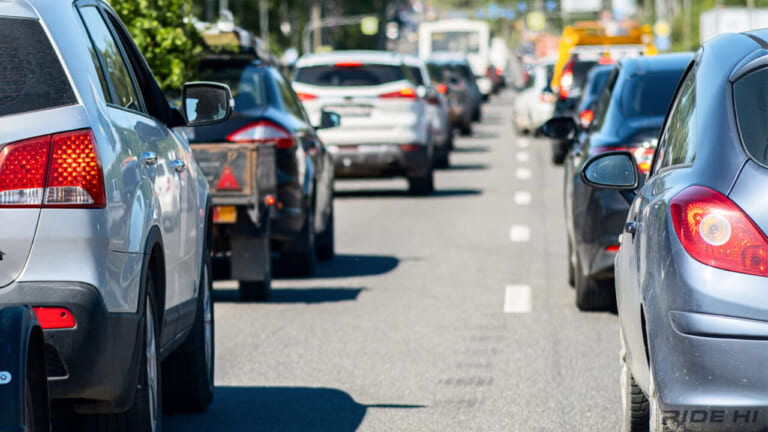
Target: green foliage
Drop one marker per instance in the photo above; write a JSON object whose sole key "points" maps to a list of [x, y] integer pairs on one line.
{"points": [[170, 43]]}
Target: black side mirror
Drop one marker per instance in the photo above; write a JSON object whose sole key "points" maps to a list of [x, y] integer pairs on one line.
{"points": [[204, 103], [562, 128], [329, 119], [613, 170]]}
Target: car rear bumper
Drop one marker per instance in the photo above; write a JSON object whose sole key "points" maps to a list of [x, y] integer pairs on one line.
{"points": [[93, 363], [374, 161]]}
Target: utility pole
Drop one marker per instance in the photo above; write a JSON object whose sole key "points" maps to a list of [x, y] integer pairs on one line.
{"points": [[263, 23], [315, 16]]}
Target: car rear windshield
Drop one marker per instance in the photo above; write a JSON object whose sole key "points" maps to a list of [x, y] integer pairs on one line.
{"points": [[750, 96], [31, 76], [244, 79], [649, 95], [416, 75], [349, 76], [580, 70], [599, 81]]}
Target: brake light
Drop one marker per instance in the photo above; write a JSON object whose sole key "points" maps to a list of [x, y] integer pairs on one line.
{"points": [[305, 96], [53, 318], [606, 60], [349, 64], [586, 118], [566, 81], [404, 93], [499, 71], [263, 131], [442, 88], [716, 232], [228, 181], [410, 147], [61, 170], [75, 178], [644, 157]]}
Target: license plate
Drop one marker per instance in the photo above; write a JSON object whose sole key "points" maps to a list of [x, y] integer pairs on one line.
{"points": [[351, 110], [225, 214], [373, 148]]}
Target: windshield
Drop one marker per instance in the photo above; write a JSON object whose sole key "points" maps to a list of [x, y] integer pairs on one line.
{"points": [[649, 95], [456, 42], [246, 83], [349, 76]]}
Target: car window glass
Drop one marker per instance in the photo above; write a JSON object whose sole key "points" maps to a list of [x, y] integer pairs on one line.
{"points": [[290, 102], [648, 95], [601, 109], [678, 139], [750, 95], [31, 76], [418, 80], [112, 60], [349, 76], [246, 82]]}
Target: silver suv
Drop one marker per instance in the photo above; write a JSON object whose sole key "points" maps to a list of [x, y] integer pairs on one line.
{"points": [[109, 248]]}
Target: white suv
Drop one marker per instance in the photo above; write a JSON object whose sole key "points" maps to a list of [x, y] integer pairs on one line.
{"points": [[385, 131]]}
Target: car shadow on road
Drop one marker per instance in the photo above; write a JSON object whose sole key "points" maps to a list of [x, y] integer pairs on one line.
{"points": [[295, 295], [471, 149], [403, 193], [466, 167], [343, 266], [285, 409]]}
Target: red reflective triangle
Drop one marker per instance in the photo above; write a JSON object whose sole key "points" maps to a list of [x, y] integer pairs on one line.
{"points": [[228, 181]]}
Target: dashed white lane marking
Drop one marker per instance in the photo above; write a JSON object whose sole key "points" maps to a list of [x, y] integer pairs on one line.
{"points": [[523, 198], [523, 156], [520, 233], [517, 299], [522, 142], [523, 173]]}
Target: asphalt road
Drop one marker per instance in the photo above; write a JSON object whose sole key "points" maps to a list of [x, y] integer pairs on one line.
{"points": [[445, 313]]}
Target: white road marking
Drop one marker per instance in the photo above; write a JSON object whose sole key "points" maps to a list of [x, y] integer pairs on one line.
{"points": [[520, 233], [523, 173], [517, 299], [523, 156], [523, 198], [522, 142]]}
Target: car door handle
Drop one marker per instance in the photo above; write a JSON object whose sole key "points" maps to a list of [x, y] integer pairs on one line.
{"points": [[631, 227], [149, 158], [178, 165]]}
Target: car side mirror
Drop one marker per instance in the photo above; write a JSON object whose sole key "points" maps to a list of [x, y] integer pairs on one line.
{"points": [[613, 170], [562, 128], [329, 119], [204, 103]]}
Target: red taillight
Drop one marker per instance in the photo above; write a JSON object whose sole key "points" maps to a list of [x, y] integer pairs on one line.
{"points": [[305, 96], [270, 200], [716, 232], [442, 88], [586, 118], [75, 178], [347, 64], [61, 170], [405, 93], [22, 172], [52, 318], [644, 158], [499, 71], [263, 131], [606, 60], [612, 248], [566, 81], [410, 147], [227, 181]]}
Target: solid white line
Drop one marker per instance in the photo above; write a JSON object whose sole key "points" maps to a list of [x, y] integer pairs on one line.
{"points": [[520, 233], [523, 157], [523, 198], [523, 173], [517, 299]]}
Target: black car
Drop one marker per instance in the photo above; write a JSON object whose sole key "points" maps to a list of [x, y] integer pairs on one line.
{"points": [[460, 67], [268, 112], [458, 95], [596, 79], [628, 116]]}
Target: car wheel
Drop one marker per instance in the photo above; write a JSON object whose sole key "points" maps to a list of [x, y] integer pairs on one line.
{"points": [[422, 185], [301, 263], [466, 130], [188, 372], [326, 241], [635, 406], [451, 141], [591, 294], [571, 270], [259, 290], [441, 159], [656, 423]]}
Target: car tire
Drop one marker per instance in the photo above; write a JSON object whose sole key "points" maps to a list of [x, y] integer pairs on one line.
{"points": [[442, 159], [146, 411], [301, 263], [559, 153], [466, 130], [591, 294], [656, 423], [422, 186], [188, 372], [635, 406], [326, 240], [571, 270], [451, 142], [259, 290]]}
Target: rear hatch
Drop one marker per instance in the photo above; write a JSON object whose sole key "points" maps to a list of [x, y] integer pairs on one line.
{"points": [[34, 90], [366, 96]]}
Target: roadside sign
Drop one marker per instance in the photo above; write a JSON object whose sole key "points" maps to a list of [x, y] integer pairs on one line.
{"points": [[536, 21], [369, 26], [661, 28]]}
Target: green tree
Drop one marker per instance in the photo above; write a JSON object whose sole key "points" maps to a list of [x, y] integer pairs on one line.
{"points": [[164, 33]]}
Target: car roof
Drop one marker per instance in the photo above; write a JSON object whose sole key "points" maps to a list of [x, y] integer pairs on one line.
{"points": [[413, 61], [657, 63], [17, 8], [448, 58], [375, 57]]}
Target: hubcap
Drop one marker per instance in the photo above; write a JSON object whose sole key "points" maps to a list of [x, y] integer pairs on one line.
{"points": [[152, 366], [208, 324]]}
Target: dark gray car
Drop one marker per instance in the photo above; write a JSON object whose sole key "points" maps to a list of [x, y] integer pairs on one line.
{"points": [[629, 114], [692, 270]]}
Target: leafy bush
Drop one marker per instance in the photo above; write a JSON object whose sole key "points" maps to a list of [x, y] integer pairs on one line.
{"points": [[164, 33]]}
